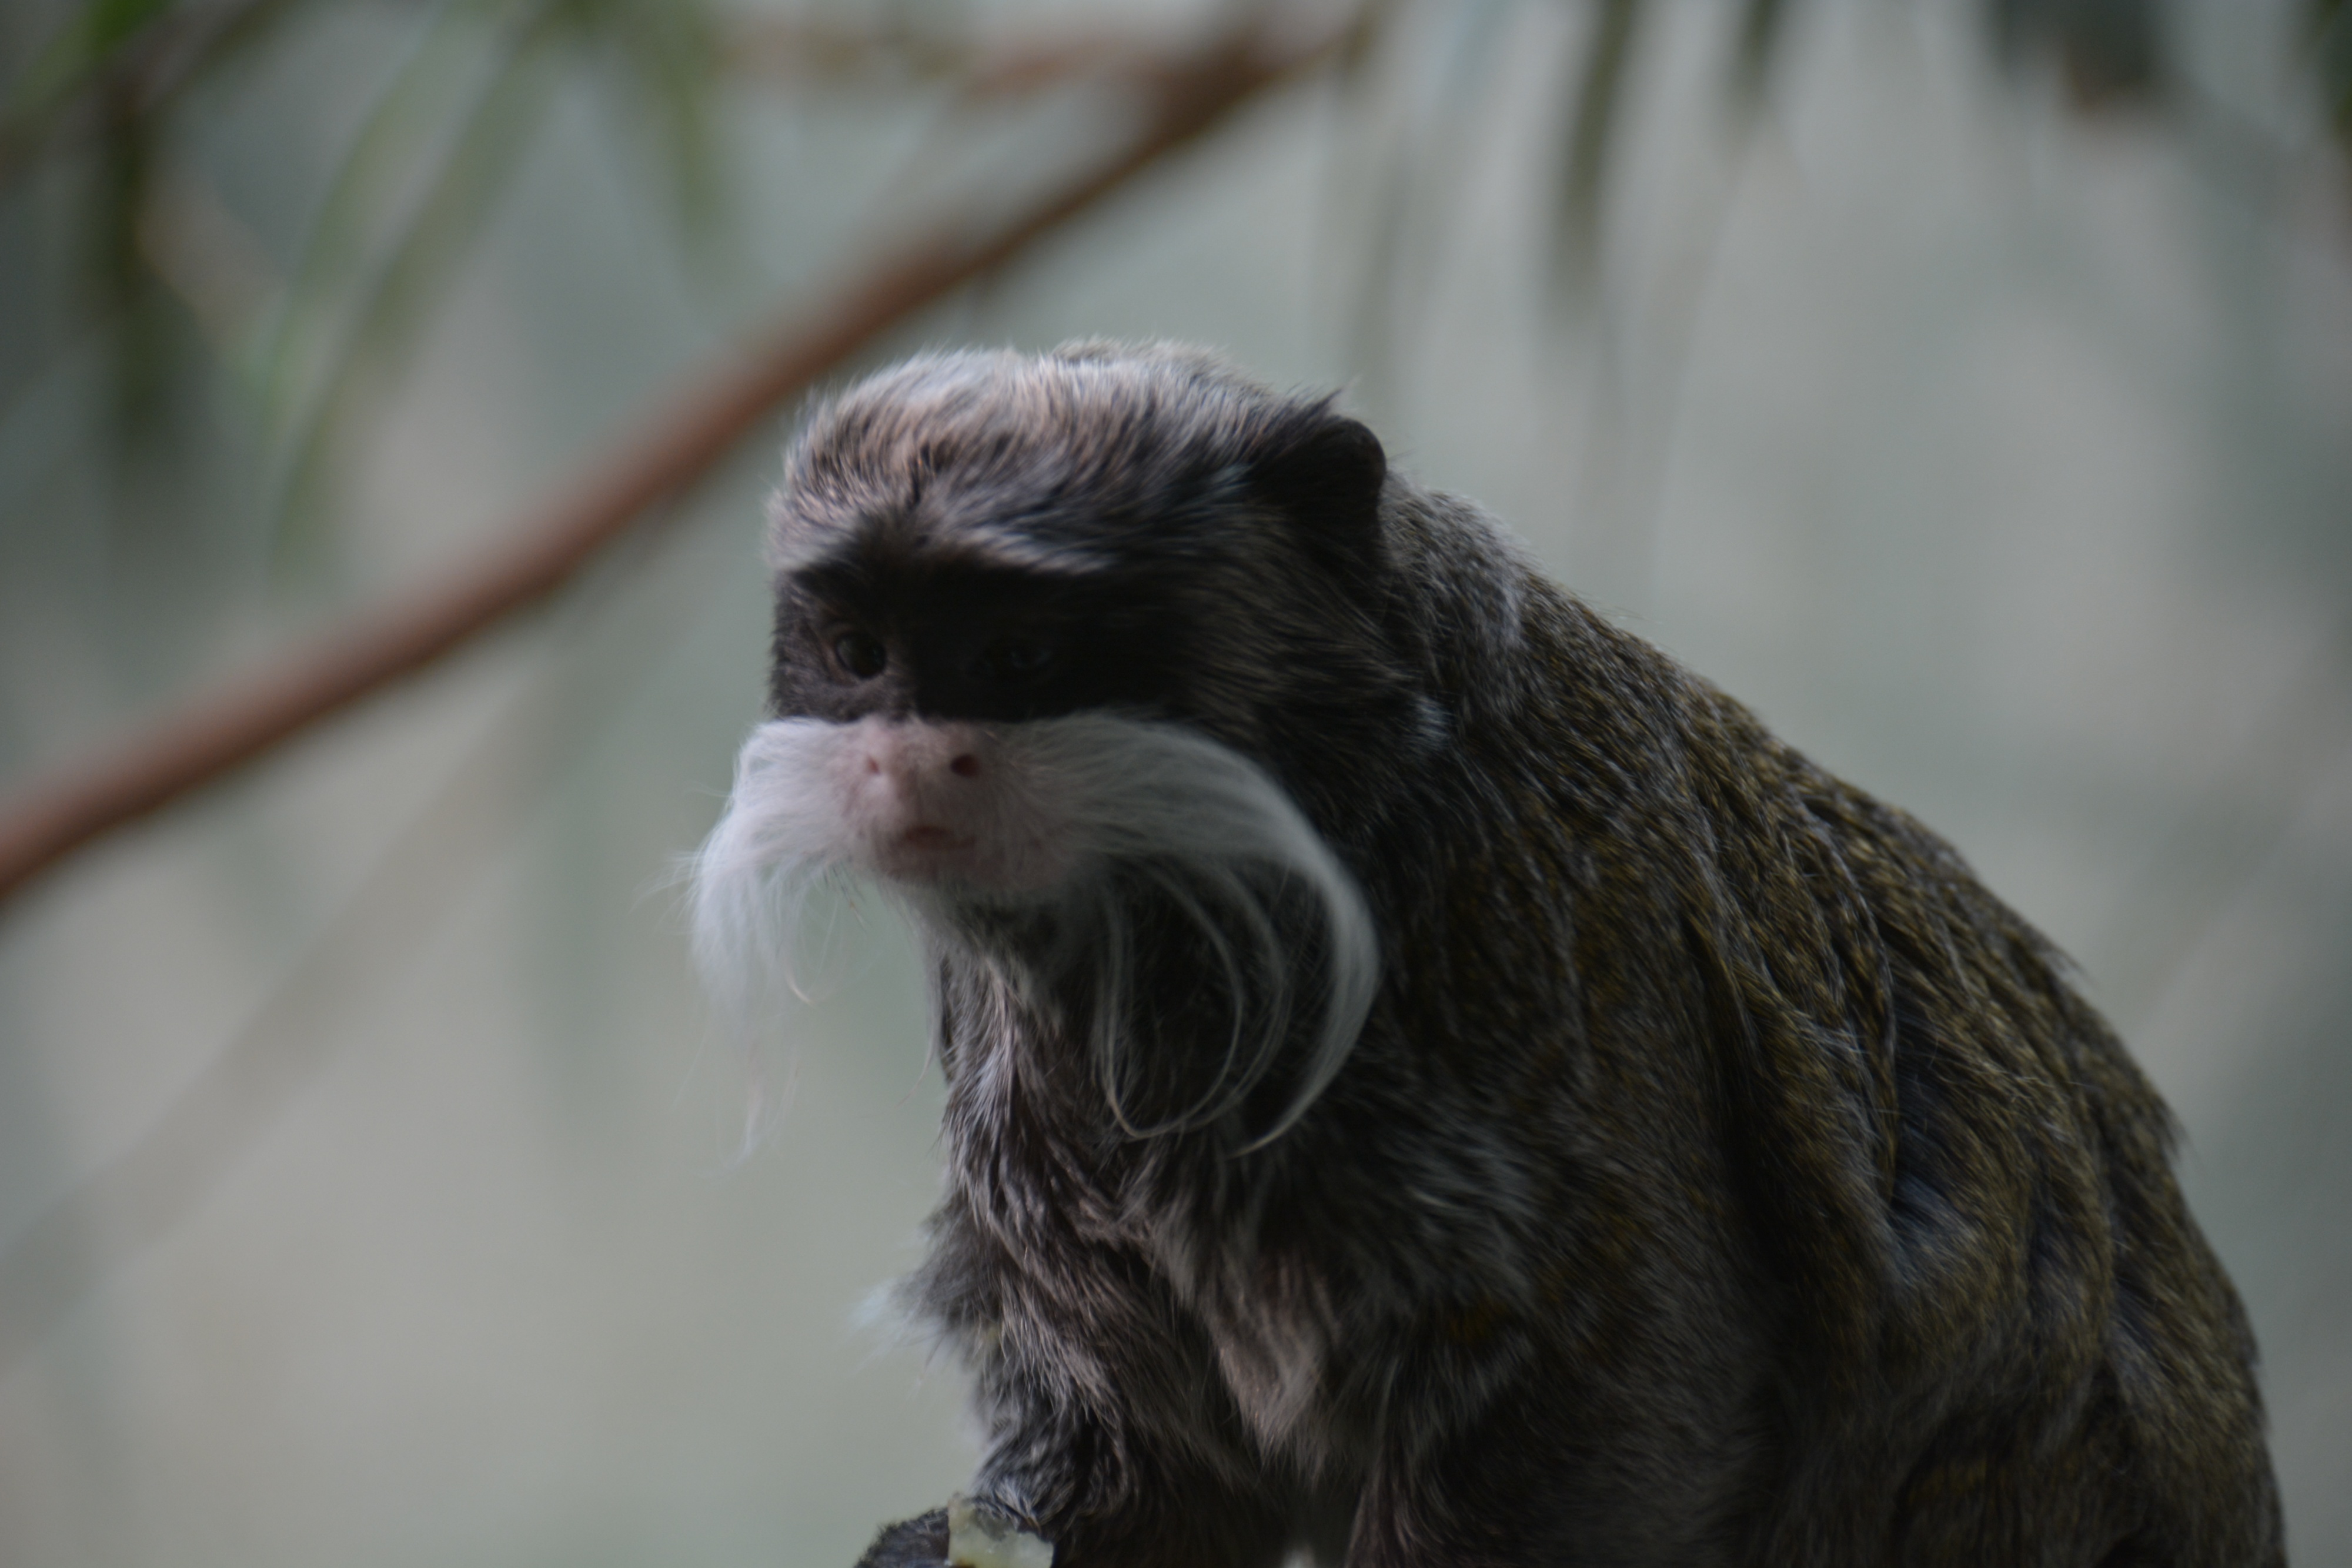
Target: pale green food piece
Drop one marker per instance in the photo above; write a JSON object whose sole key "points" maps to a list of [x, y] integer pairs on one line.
{"points": [[981, 1540]]}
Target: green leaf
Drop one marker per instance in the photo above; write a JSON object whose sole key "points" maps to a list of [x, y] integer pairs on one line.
{"points": [[2328, 29], [80, 49], [1608, 51], [385, 321], [2109, 51], [1761, 24]]}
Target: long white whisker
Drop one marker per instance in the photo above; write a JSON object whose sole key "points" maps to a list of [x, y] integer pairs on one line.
{"points": [[1216, 1099], [1110, 1011]]}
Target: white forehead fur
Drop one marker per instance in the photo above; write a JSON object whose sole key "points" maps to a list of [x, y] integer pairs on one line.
{"points": [[1044, 421]]}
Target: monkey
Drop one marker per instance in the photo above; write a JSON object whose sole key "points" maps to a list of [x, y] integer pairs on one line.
{"points": [[1429, 1080]]}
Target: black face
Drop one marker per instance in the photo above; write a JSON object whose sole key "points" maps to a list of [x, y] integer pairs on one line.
{"points": [[964, 641]]}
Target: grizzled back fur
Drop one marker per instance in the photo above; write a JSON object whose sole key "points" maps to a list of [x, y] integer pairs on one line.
{"points": [[1720, 1174]]}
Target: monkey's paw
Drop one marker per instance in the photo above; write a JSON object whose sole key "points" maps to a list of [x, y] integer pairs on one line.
{"points": [[918, 1542], [964, 1534]]}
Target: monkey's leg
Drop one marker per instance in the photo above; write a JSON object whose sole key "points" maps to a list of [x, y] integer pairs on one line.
{"points": [[1173, 1521], [1164, 1520], [1138, 1509], [1559, 1473], [1196, 1525], [1489, 1511]]}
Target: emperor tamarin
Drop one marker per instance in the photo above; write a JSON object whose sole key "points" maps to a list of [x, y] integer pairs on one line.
{"points": [[1429, 1080]]}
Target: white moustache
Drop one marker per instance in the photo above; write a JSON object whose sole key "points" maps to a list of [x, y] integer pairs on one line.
{"points": [[1075, 813]]}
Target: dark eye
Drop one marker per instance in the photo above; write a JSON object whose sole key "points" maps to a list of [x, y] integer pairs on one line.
{"points": [[861, 653], [1016, 661]]}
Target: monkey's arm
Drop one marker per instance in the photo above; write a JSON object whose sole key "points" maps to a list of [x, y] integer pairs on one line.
{"points": [[1114, 1489]]}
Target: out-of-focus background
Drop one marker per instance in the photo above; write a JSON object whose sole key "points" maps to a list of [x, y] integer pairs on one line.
{"points": [[1966, 384]]}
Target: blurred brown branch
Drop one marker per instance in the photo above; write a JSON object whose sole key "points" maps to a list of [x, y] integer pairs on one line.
{"points": [[798, 49], [1182, 96]]}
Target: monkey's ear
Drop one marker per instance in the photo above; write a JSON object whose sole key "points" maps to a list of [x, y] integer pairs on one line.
{"points": [[1324, 471]]}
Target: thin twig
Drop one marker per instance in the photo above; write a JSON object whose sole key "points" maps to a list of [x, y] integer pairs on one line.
{"points": [[798, 49], [667, 453]]}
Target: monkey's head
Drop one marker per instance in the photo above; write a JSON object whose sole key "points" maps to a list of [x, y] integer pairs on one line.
{"points": [[1082, 644]]}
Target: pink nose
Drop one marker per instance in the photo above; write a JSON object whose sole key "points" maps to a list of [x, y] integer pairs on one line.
{"points": [[919, 758]]}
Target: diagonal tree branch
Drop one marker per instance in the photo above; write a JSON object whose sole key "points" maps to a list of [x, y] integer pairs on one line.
{"points": [[822, 49], [663, 457]]}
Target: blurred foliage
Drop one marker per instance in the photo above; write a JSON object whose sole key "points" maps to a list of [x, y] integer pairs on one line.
{"points": [[150, 267], [1591, 122], [2331, 57], [2109, 49], [99, 108], [448, 132]]}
